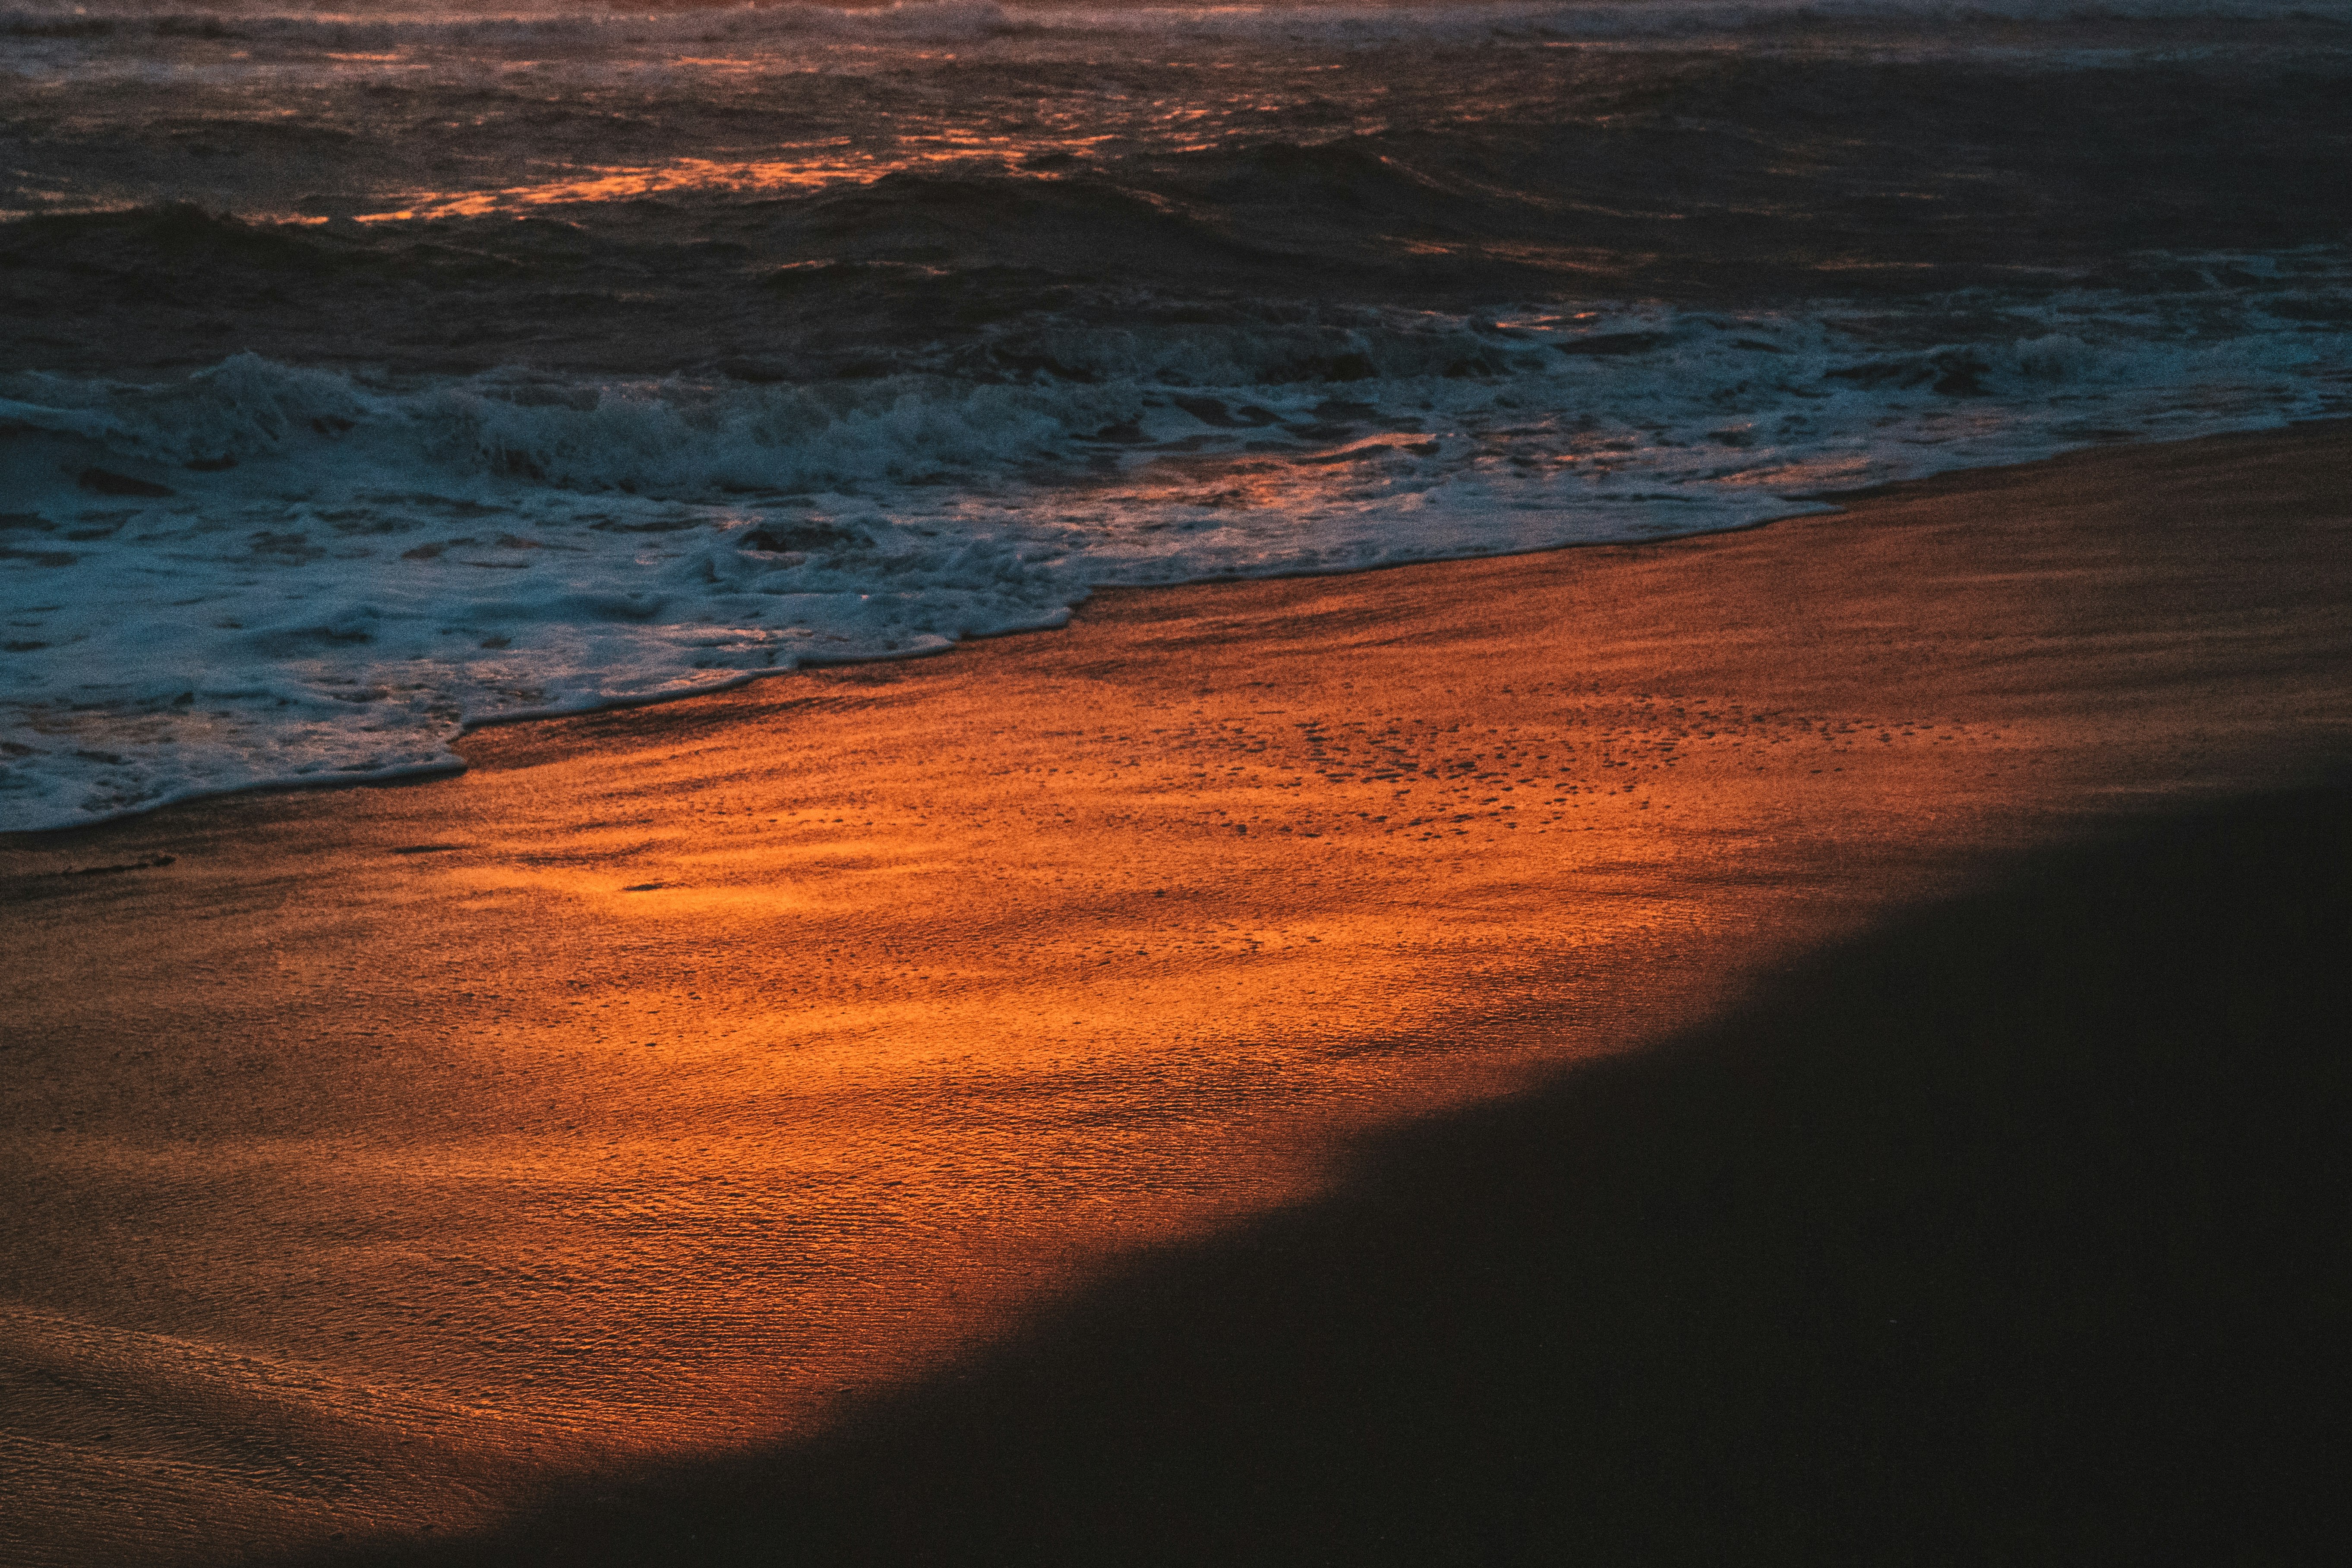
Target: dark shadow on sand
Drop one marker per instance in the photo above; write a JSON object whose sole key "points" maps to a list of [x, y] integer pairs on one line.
{"points": [[2012, 1234]]}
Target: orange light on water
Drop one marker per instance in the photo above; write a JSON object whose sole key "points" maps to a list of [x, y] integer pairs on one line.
{"points": [[831, 163]]}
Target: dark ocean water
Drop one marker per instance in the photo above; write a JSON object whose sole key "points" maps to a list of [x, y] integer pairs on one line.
{"points": [[364, 374]]}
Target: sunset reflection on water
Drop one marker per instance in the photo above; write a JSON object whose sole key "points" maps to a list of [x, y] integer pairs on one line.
{"points": [[832, 162]]}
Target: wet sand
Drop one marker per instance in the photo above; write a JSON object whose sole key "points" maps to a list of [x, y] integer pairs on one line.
{"points": [[663, 1087]]}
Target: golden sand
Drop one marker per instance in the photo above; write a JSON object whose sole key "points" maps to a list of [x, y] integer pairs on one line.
{"points": [[677, 1070]]}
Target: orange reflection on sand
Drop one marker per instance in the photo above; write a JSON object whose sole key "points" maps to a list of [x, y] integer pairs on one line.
{"points": [[854, 1035], [683, 1068], [642, 1095]]}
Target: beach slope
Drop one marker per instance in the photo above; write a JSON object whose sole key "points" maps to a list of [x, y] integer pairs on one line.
{"points": [[678, 1077]]}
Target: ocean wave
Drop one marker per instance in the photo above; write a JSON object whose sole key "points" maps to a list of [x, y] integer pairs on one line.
{"points": [[1083, 389]]}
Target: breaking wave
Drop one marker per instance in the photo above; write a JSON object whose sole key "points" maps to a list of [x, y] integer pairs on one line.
{"points": [[262, 572]]}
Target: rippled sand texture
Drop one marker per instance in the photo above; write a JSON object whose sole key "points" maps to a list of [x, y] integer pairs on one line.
{"points": [[677, 1071]]}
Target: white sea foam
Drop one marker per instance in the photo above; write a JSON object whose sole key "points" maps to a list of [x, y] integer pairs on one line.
{"points": [[353, 570]]}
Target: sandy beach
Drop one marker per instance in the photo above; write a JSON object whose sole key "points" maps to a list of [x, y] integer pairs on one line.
{"points": [[402, 1165]]}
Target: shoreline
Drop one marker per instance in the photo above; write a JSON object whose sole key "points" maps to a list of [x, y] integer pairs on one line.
{"points": [[1818, 504], [681, 1071], [456, 765]]}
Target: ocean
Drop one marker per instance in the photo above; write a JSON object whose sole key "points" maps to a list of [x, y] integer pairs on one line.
{"points": [[370, 375]]}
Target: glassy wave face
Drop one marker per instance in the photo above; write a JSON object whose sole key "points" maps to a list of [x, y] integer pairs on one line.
{"points": [[370, 375]]}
